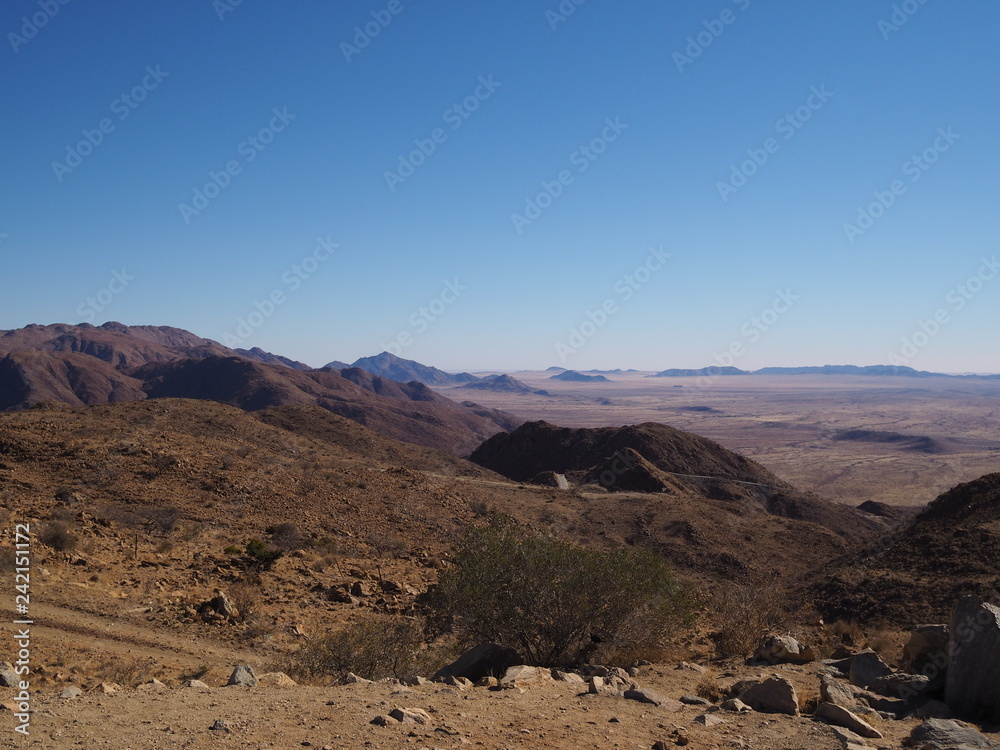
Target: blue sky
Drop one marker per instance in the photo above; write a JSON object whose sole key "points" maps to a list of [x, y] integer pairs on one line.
{"points": [[511, 185]]}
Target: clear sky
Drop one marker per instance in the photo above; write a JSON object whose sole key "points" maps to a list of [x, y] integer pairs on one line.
{"points": [[511, 185]]}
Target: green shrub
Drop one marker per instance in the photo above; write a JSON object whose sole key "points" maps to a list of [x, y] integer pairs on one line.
{"points": [[261, 552], [556, 603]]}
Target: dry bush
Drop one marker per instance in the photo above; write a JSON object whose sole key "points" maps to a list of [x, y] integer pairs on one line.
{"points": [[743, 615], [886, 642], [847, 632], [710, 689], [809, 701], [246, 597], [288, 536], [372, 649], [127, 671], [58, 536]]}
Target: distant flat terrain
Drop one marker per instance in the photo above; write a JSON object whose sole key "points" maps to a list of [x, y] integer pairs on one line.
{"points": [[897, 440]]}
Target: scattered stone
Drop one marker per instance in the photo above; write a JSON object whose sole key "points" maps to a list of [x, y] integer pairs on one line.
{"points": [[694, 700], [353, 679], [783, 649], [709, 720], [8, 677], [488, 682], [153, 684], [383, 721], [218, 608], [410, 716], [841, 717], [645, 695], [242, 675], [485, 660], [71, 692], [735, 705], [221, 726], [972, 689], [523, 676], [775, 695], [595, 685], [560, 676], [849, 740], [277, 680], [459, 682], [195, 684], [866, 667], [416, 681], [692, 667], [935, 734]]}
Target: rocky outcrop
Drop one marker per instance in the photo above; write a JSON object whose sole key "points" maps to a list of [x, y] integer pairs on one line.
{"points": [[972, 687]]}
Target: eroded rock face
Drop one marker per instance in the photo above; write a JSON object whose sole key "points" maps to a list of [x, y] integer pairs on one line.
{"points": [[942, 733], [972, 688]]}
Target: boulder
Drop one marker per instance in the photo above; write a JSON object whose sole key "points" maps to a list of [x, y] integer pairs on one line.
{"points": [[410, 716], [783, 649], [841, 717], [848, 739], [8, 677], [195, 684], [218, 608], [485, 660], [775, 695], [735, 705], [694, 700], [866, 667], [938, 734], [836, 692], [242, 675], [71, 692], [901, 685], [522, 676], [353, 679], [276, 679], [972, 688], [709, 720], [560, 676]]}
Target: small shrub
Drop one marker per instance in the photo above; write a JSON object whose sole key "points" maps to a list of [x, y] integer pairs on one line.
{"points": [[372, 649], [848, 632], [232, 549], [260, 552], [556, 603], [746, 614], [287, 536], [58, 536], [710, 689]]}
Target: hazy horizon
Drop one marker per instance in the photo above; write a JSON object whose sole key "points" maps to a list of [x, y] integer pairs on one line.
{"points": [[511, 187]]}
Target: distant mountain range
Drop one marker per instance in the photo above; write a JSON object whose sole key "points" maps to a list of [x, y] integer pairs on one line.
{"points": [[84, 365], [503, 384], [389, 366], [869, 370], [578, 377]]}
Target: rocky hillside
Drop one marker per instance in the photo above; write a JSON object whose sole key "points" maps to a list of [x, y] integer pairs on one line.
{"points": [[914, 574], [654, 457]]}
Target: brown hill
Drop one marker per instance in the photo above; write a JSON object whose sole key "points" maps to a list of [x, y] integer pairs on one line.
{"points": [[672, 460], [87, 365], [916, 573]]}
